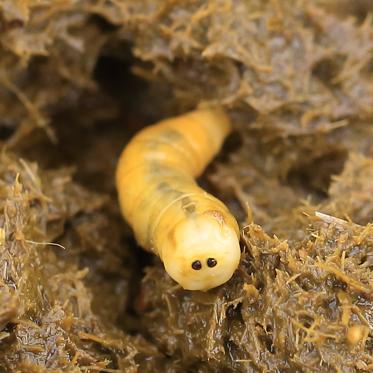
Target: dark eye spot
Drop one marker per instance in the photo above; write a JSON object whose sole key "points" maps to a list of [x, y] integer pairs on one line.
{"points": [[211, 262], [196, 265]]}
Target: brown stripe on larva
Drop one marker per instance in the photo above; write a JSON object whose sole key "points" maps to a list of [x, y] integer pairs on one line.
{"points": [[188, 205]]}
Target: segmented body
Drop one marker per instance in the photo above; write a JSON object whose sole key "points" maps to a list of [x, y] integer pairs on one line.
{"points": [[169, 213]]}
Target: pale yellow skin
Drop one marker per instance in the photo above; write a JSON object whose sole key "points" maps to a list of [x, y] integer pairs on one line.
{"points": [[169, 213]]}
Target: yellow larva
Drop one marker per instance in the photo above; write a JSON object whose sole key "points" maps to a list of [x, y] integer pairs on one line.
{"points": [[191, 231]]}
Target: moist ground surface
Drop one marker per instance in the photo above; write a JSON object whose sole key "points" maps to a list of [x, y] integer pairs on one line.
{"points": [[79, 78]]}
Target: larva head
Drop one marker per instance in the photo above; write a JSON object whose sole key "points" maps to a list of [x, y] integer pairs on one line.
{"points": [[203, 253]]}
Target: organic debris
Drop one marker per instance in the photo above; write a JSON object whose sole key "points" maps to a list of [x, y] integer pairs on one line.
{"points": [[78, 78]]}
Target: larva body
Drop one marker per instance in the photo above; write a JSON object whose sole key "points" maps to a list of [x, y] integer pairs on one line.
{"points": [[191, 231]]}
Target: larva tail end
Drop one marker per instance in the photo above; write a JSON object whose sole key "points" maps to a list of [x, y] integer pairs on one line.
{"points": [[216, 117]]}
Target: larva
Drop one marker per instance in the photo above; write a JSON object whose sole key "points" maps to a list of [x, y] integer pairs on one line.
{"points": [[191, 231]]}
